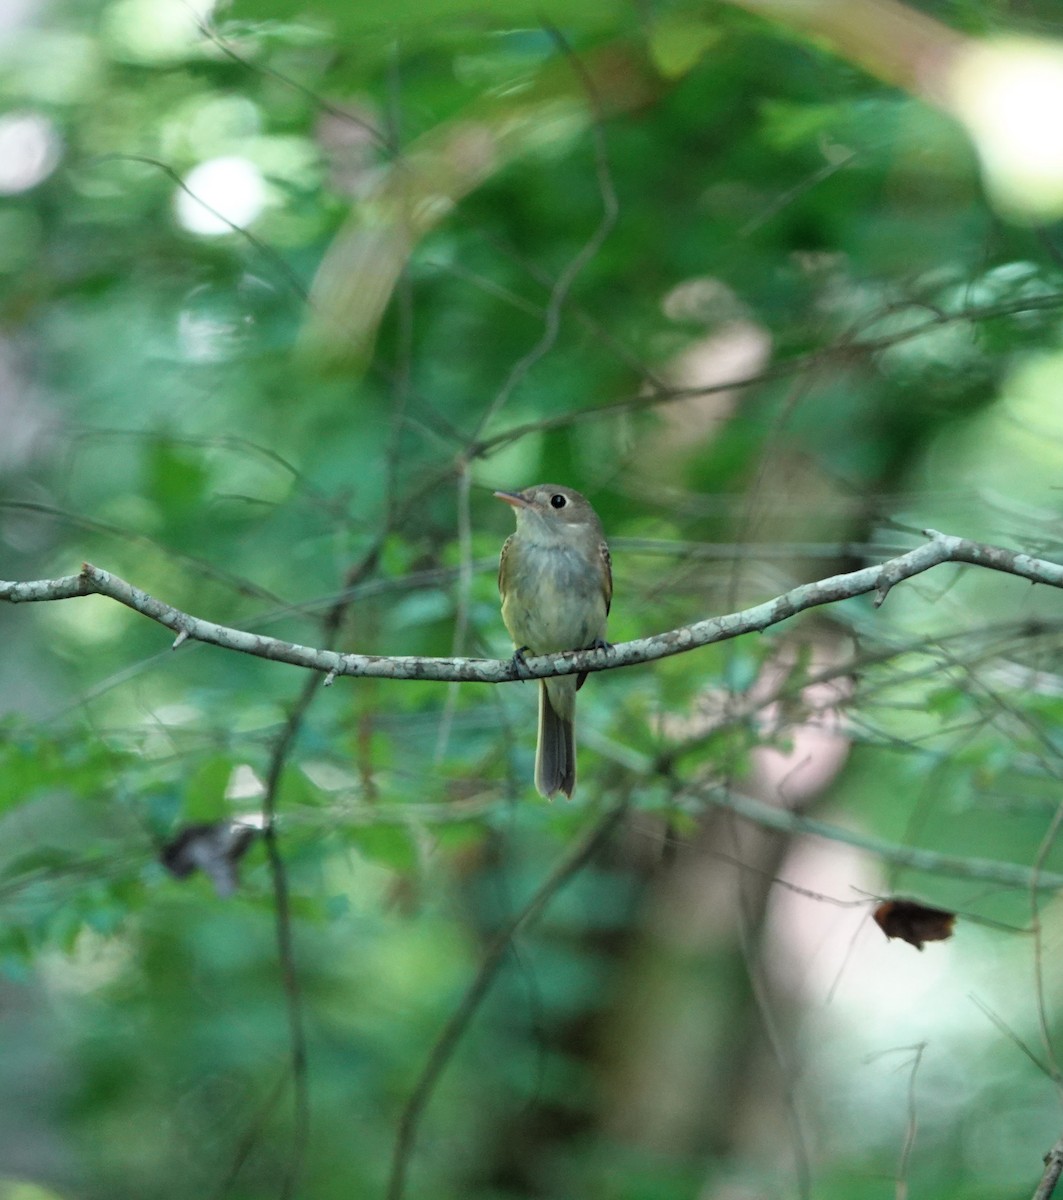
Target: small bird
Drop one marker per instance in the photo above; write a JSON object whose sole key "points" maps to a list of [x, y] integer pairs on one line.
{"points": [[556, 582]]}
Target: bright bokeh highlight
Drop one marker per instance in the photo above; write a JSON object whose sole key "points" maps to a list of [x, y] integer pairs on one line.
{"points": [[29, 150], [1009, 94], [220, 194]]}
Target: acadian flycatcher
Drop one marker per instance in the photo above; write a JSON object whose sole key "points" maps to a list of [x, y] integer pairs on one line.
{"points": [[556, 583]]}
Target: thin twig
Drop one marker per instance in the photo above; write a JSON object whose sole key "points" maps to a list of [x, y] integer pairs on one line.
{"points": [[914, 858], [565, 281], [912, 1129], [750, 930], [845, 350], [285, 940], [451, 1033], [265, 250], [200, 567], [462, 606], [319, 102], [1039, 948], [1012, 1036], [279, 878], [251, 1135]]}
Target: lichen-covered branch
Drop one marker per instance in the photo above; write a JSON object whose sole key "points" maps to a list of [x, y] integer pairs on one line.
{"points": [[1053, 1169], [879, 579]]}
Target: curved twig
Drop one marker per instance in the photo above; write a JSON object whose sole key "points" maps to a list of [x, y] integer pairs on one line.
{"points": [[451, 1033], [913, 858], [940, 548]]}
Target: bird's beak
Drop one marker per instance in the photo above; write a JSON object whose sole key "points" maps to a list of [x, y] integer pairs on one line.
{"points": [[514, 498]]}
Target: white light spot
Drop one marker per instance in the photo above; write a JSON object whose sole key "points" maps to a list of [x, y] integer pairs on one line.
{"points": [[1009, 94], [29, 150], [244, 784], [16, 14], [219, 194], [155, 30]]}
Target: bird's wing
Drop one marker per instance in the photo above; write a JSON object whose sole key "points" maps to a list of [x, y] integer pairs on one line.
{"points": [[502, 563], [607, 577]]}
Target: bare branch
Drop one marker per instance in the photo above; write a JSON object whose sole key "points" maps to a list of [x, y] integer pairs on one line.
{"points": [[451, 1033], [843, 351], [1053, 1168], [941, 548], [901, 1191], [561, 290], [985, 870]]}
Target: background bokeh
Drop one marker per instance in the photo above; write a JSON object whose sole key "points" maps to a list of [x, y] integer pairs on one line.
{"points": [[286, 290]]}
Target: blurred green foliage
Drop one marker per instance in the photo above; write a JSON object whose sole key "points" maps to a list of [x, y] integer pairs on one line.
{"points": [[677, 1022]]}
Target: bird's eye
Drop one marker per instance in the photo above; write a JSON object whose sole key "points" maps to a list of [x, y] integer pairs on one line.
{"points": [[557, 500]]}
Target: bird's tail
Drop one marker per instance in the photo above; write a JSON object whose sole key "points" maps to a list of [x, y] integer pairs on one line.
{"points": [[555, 752]]}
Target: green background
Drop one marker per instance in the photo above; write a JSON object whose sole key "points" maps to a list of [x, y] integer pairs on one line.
{"points": [[500, 244]]}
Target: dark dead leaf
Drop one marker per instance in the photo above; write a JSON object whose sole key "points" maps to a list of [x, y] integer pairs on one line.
{"points": [[913, 922], [213, 847]]}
